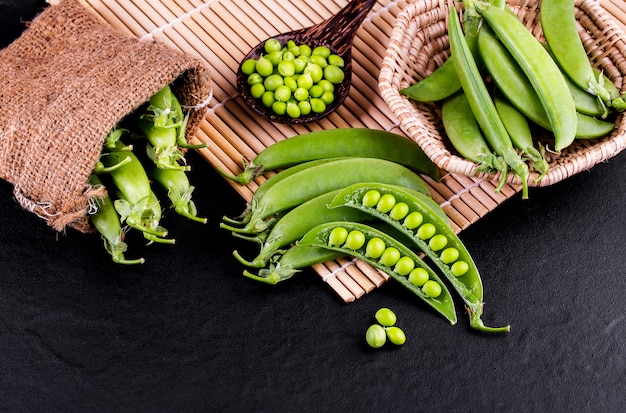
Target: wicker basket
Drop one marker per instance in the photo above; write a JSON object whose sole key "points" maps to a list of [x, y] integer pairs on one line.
{"points": [[419, 44]]}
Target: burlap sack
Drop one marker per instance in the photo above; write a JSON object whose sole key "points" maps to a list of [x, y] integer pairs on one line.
{"points": [[66, 82]]}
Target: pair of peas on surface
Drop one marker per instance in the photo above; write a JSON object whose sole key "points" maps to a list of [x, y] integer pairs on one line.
{"points": [[294, 79], [385, 329]]}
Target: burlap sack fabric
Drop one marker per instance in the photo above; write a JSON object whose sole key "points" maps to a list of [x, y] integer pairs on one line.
{"points": [[66, 82]]}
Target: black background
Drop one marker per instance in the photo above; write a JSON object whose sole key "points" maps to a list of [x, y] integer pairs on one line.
{"points": [[186, 332]]}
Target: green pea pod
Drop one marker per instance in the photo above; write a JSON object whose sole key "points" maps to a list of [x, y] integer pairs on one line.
{"points": [[558, 23], [321, 236], [543, 73], [316, 180], [333, 143], [466, 137], [107, 222], [516, 87], [480, 101], [427, 231], [518, 128]]}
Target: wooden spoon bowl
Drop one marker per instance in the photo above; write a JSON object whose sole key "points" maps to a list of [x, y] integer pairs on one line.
{"points": [[337, 33]]}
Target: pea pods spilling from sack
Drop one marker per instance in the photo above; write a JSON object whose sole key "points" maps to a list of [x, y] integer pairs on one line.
{"points": [[356, 192], [501, 82], [144, 148]]}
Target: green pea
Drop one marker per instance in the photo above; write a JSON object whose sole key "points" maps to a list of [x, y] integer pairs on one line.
{"points": [[404, 266], [327, 97], [399, 211], [426, 231], [274, 58], [279, 107], [459, 268], [268, 99], [318, 105], [375, 247], [305, 50], [272, 45], [282, 93], [295, 50], [301, 94], [305, 81], [336, 60], [355, 240], [395, 335], [413, 220], [371, 198], [337, 236], [288, 55], [375, 336], [273, 82], [323, 51], [431, 288], [248, 67], [385, 317], [418, 276], [386, 202], [326, 85], [316, 90], [264, 66], [334, 74], [437, 242], [315, 71], [390, 256], [293, 110], [318, 60], [449, 255], [286, 68], [254, 78], [305, 107], [299, 64], [257, 90]]}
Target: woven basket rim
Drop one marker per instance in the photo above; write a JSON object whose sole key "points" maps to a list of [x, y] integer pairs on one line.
{"points": [[421, 125]]}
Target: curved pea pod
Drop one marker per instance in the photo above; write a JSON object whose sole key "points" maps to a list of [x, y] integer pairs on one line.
{"points": [[481, 103], [466, 137], [543, 73], [107, 222], [333, 143], [513, 83], [322, 236], [292, 261], [516, 124], [558, 23], [316, 180], [427, 231]]}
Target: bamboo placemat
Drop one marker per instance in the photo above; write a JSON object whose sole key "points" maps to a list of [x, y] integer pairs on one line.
{"points": [[223, 31]]}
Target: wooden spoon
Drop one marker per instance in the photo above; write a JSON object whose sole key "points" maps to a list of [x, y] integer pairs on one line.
{"points": [[337, 33]]}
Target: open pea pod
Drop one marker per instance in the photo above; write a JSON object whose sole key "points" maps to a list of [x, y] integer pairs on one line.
{"points": [[433, 235], [387, 254]]}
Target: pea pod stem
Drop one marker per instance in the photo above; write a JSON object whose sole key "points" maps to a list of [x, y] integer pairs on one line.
{"points": [[481, 103]]}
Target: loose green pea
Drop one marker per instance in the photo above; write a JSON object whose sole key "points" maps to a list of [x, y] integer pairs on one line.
{"points": [[323, 51], [355, 240], [257, 90], [305, 81], [449, 255], [273, 82], [318, 60], [268, 99], [390, 256], [404, 266], [305, 107], [288, 55], [334, 74], [264, 66], [301, 94], [399, 211], [315, 71], [459, 268], [418, 277], [386, 202], [375, 247], [371, 198], [248, 67], [272, 45], [337, 236], [326, 85], [385, 317], [426, 231], [315, 90], [282, 93], [293, 111], [336, 60], [291, 83], [413, 220], [437, 242], [305, 50], [299, 64], [318, 105], [395, 335], [327, 97], [254, 78], [279, 107], [274, 58], [286, 68], [376, 336], [431, 288]]}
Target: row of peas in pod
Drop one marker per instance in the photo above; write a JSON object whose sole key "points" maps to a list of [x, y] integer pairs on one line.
{"points": [[506, 96], [355, 192], [294, 79], [145, 148]]}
